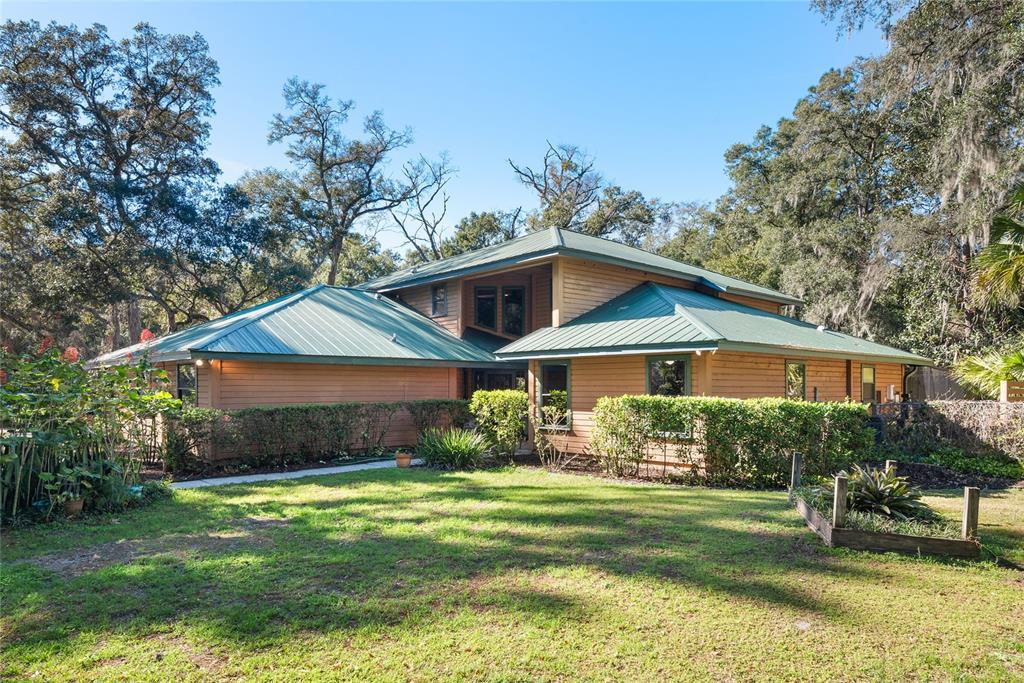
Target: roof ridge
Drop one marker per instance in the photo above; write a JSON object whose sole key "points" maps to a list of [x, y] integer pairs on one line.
{"points": [[680, 310], [279, 306], [556, 234]]}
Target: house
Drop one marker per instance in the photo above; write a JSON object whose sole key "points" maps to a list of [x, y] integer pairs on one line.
{"points": [[573, 317]]}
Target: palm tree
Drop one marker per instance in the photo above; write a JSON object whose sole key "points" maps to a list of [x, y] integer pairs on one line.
{"points": [[999, 268], [985, 372], [999, 283]]}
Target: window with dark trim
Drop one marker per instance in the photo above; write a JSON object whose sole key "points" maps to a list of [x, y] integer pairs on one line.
{"points": [[513, 309], [553, 395], [485, 308], [796, 380], [867, 383], [670, 376], [187, 382], [439, 300]]}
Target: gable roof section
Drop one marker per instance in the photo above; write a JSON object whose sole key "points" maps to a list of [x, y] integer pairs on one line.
{"points": [[555, 241], [659, 318], [320, 324]]}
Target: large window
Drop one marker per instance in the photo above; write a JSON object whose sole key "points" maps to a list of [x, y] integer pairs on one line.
{"points": [[796, 380], [668, 376], [486, 307], [513, 307], [187, 382], [553, 395], [867, 383], [439, 300]]}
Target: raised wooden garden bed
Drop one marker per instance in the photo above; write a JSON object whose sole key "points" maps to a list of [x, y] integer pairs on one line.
{"points": [[836, 535]]}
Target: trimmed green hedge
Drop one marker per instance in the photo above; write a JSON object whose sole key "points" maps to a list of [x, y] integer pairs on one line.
{"points": [[501, 417], [292, 434], [730, 441]]}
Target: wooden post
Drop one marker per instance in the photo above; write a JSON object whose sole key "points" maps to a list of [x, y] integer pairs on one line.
{"points": [[970, 525], [839, 502], [794, 477], [890, 463], [1004, 391]]}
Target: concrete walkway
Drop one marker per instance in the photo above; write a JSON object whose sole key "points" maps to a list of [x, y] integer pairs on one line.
{"points": [[278, 476]]}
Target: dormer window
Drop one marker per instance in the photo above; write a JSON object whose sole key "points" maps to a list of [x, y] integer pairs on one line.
{"points": [[439, 300]]}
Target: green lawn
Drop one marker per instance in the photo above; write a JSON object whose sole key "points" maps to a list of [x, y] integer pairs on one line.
{"points": [[501, 575]]}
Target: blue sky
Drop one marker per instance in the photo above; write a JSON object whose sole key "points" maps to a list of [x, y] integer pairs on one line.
{"points": [[656, 92]]}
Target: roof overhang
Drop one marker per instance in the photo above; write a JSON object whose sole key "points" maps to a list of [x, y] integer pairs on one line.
{"points": [[610, 351], [777, 350], [346, 360], [528, 259]]}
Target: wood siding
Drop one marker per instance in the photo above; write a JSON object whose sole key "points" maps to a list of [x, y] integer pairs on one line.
{"points": [[725, 374], [420, 299], [587, 284], [770, 306], [541, 297], [240, 384]]}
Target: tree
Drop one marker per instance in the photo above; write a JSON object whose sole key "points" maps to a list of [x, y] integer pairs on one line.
{"points": [[479, 230], [335, 181], [421, 218], [574, 196], [106, 139], [999, 268]]}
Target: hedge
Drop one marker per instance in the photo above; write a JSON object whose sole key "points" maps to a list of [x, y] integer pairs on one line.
{"points": [[292, 434], [501, 417], [730, 441]]}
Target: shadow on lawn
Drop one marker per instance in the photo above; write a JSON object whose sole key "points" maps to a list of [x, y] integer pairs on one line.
{"points": [[418, 550]]}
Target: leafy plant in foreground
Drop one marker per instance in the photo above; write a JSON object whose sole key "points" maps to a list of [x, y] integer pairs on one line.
{"points": [[881, 492], [457, 449]]}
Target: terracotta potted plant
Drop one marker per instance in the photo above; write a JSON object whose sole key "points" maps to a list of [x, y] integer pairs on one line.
{"points": [[73, 506], [403, 458]]}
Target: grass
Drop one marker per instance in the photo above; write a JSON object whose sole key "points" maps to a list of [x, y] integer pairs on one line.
{"points": [[509, 575]]}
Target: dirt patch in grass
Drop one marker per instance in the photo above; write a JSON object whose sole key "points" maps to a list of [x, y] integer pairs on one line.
{"points": [[201, 658], [247, 532]]}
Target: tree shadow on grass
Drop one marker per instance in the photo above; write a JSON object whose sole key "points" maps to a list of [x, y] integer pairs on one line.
{"points": [[387, 552]]}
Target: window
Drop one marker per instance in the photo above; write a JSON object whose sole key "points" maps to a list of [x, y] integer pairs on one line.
{"points": [[187, 382], [867, 383], [668, 376], [513, 300], [439, 300], [796, 380], [486, 308], [553, 395]]}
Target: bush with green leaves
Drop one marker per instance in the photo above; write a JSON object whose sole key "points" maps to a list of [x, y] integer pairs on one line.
{"points": [[452, 448], [279, 436], [68, 433], [988, 465], [729, 441], [501, 417], [881, 492]]}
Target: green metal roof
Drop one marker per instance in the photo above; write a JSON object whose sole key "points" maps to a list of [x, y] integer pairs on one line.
{"points": [[554, 241], [653, 317], [321, 324]]}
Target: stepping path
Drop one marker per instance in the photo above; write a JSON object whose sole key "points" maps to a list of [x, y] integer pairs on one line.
{"points": [[278, 476]]}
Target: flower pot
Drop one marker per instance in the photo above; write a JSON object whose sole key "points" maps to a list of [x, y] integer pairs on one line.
{"points": [[403, 459], [73, 507]]}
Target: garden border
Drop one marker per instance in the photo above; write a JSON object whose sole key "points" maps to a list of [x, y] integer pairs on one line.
{"points": [[835, 535]]}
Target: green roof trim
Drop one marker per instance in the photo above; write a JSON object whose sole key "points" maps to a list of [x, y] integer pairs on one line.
{"points": [[321, 324], [558, 242], [654, 318]]}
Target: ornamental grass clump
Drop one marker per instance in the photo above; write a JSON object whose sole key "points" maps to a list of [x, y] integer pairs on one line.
{"points": [[453, 449]]}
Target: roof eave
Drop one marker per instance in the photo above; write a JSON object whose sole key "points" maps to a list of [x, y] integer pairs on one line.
{"points": [[460, 272], [347, 360], [608, 351], [778, 349]]}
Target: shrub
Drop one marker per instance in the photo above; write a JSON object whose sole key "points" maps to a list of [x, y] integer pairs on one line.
{"points": [[501, 417], [729, 441], [989, 465], [277, 436], [456, 449], [881, 492], [67, 432]]}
